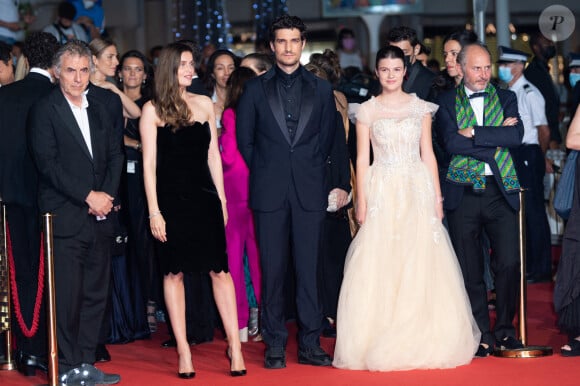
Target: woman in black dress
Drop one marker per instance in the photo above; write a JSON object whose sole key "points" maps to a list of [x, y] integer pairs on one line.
{"points": [[567, 288], [135, 79], [186, 199]]}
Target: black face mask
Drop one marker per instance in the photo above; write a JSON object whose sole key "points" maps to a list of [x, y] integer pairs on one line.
{"points": [[549, 52], [407, 61]]}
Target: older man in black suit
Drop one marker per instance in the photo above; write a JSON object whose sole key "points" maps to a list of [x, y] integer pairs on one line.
{"points": [[79, 159], [478, 124], [286, 120], [18, 189]]}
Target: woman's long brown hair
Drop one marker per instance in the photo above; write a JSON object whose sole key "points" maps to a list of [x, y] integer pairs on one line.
{"points": [[170, 107]]}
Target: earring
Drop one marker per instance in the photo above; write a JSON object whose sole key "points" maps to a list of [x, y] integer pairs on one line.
{"points": [[144, 80], [120, 80]]}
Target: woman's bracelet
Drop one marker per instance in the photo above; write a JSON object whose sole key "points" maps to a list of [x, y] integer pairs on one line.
{"points": [[154, 214]]}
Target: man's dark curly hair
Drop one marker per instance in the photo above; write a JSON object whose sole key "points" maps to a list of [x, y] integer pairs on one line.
{"points": [[287, 22], [402, 33], [39, 49]]}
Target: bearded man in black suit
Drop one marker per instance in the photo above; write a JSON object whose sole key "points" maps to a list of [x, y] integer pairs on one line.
{"points": [[18, 189], [479, 124]]}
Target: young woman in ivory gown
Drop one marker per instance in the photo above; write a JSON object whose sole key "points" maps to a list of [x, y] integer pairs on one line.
{"points": [[402, 303]]}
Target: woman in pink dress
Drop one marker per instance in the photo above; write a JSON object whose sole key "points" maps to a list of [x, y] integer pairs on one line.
{"points": [[240, 231]]}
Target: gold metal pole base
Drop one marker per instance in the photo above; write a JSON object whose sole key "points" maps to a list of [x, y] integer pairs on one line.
{"points": [[526, 352], [11, 365]]}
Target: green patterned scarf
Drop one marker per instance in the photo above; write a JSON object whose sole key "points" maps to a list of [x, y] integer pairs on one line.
{"points": [[466, 170]]}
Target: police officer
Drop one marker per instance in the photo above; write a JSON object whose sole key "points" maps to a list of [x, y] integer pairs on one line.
{"points": [[574, 78], [531, 164]]}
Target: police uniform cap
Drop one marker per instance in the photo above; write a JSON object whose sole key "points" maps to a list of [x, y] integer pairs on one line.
{"points": [[574, 60], [510, 55]]}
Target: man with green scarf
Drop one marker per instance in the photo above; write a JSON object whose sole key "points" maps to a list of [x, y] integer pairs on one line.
{"points": [[478, 124]]}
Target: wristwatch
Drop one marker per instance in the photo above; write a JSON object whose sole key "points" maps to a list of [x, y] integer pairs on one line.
{"points": [[139, 146]]}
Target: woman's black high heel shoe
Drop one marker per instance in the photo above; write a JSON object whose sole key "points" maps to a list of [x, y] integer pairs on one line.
{"points": [[234, 373], [186, 375]]}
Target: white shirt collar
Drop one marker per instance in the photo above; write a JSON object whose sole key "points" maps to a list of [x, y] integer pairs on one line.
{"points": [[41, 71], [85, 102]]}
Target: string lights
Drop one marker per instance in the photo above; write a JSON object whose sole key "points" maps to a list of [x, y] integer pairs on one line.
{"points": [[265, 11], [205, 22]]}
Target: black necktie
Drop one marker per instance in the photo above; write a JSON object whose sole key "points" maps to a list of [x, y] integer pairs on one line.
{"points": [[478, 94]]}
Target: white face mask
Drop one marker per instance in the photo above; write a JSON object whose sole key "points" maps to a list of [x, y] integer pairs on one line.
{"points": [[88, 3]]}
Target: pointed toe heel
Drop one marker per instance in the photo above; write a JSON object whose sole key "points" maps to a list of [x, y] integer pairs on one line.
{"points": [[238, 373], [189, 375]]}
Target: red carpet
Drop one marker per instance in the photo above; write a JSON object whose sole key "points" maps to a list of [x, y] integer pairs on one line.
{"points": [[146, 363]]}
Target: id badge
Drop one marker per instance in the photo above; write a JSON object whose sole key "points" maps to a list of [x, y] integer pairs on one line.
{"points": [[131, 167]]}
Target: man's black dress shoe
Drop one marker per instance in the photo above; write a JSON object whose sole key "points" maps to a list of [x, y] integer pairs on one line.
{"points": [[483, 351], [508, 343], [28, 364], [314, 356], [88, 375], [275, 358], [102, 354]]}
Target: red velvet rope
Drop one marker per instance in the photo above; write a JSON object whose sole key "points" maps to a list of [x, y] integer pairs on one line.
{"points": [[28, 332]]}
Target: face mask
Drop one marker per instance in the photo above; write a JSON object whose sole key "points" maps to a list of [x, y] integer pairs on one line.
{"points": [[407, 61], [574, 78], [155, 61], [348, 44], [505, 74], [88, 3], [15, 61], [549, 52]]}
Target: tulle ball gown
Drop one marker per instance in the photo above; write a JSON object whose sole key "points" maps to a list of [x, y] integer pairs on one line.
{"points": [[402, 304]]}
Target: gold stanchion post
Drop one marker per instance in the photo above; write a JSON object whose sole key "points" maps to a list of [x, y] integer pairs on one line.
{"points": [[526, 351], [51, 302], [5, 313]]}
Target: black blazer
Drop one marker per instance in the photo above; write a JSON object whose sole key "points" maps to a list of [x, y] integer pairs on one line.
{"points": [[276, 162], [338, 162], [482, 147], [113, 105], [67, 171], [197, 87], [420, 81], [18, 176]]}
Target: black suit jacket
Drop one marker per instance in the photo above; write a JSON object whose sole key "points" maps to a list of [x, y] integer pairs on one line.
{"points": [[197, 87], [482, 147], [67, 171], [113, 105], [275, 161], [538, 74], [18, 176], [420, 81], [338, 162]]}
